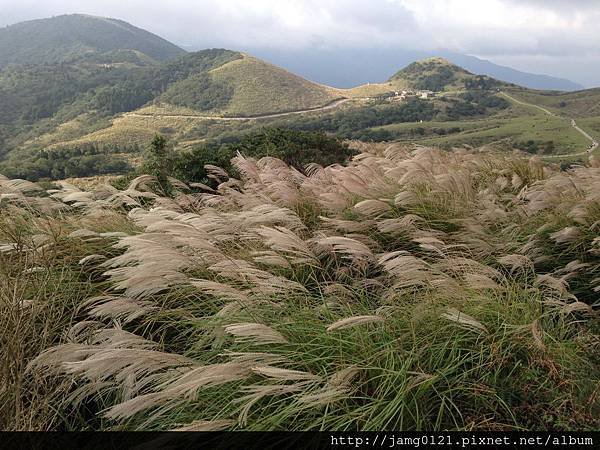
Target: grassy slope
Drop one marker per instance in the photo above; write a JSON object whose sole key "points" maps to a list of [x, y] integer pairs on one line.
{"points": [[522, 124], [374, 89], [262, 88], [592, 124], [297, 303], [584, 106], [573, 104], [258, 88]]}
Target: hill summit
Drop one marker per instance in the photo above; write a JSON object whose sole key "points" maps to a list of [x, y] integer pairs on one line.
{"points": [[438, 74], [72, 37]]}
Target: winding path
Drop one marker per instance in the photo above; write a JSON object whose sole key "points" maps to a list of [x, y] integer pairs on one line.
{"points": [[590, 149], [331, 105]]}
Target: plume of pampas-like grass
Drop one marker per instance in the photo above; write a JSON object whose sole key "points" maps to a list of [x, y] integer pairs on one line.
{"points": [[255, 333]]}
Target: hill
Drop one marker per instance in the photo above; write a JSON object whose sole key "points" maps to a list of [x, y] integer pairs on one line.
{"points": [[38, 100], [261, 88], [70, 38], [246, 86], [348, 67], [439, 74]]}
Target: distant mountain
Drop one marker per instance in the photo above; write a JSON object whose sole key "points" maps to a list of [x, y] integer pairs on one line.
{"points": [[345, 68], [69, 38], [508, 74]]}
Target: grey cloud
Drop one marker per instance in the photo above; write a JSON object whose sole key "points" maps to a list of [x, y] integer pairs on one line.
{"points": [[226, 22]]}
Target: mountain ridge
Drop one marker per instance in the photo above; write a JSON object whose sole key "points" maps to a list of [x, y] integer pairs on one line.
{"points": [[73, 37]]}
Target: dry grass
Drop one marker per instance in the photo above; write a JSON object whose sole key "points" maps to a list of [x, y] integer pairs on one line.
{"points": [[412, 289], [261, 88], [127, 130]]}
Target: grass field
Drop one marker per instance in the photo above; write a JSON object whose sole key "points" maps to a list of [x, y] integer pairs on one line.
{"points": [[591, 124], [519, 125], [413, 289], [124, 130], [129, 130]]}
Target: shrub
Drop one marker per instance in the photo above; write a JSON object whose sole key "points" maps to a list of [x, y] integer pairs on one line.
{"points": [[296, 148]]}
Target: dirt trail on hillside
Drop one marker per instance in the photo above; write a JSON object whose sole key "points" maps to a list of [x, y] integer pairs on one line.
{"points": [[590, 149], [331, 105]]}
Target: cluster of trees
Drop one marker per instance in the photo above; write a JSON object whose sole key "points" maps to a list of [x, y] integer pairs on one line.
{"points": [[482, 82], [437, 80], [474, 103], [199, 92], [352, 124], [445, 131], [374, 135], [83, 161], [296, 148], [486, 99], [125, 96], [2, 141], [383, 134], [536, 147]]}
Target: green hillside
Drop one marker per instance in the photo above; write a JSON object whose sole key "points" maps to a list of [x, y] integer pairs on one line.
{"points": [[38, 101], [438, 74], [70, 38], [61, 92], [76, 109], [584, 103]]}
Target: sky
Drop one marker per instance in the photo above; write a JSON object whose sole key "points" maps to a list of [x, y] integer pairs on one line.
{"points": [[554, 37]]}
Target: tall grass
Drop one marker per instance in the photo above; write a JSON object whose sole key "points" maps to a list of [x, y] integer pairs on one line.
{"points": [[413, 289]]}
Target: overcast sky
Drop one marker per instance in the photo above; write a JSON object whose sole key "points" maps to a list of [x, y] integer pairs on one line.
{"points": [[556, 37]]}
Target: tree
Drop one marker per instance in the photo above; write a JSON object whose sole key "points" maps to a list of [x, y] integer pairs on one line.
{"points": [[159, 163]]}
